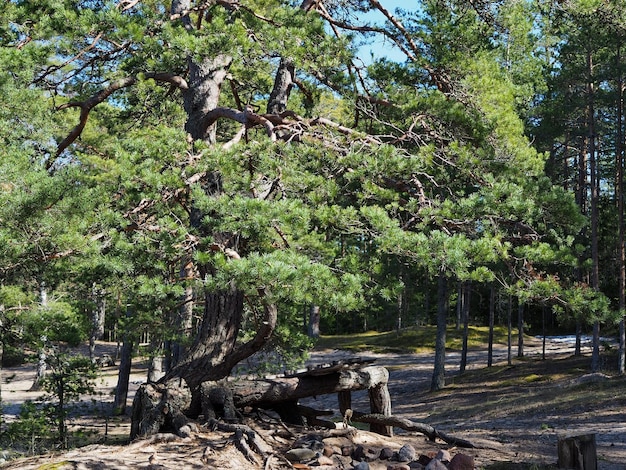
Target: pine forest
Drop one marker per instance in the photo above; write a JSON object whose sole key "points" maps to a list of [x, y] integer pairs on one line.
{"points": [[234, 207]]}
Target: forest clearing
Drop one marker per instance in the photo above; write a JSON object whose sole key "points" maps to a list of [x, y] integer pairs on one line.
{"points": [[516, 413], [219, 187]]}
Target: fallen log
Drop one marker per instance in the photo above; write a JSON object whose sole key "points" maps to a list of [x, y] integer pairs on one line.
{"points": [[408, 425], [282, 393], [261, 392]]}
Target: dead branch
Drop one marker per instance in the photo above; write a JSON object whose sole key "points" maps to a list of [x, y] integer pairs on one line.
{"points": [[87, 105], [54, 68], [409, 425]]}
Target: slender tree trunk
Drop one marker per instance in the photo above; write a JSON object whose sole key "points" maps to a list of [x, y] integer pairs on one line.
{"points": [[520, 328], [439, 373], [595, 195], [579, 333], [465, 314], [543, 332], [509, 327], [123, 376], [621, 251], [97, 320], [60, 383], [426, 303], [492, 312], [459, 305], [314, 321], [42, 355]]}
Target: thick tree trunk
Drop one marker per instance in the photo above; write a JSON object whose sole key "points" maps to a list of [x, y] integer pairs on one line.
{"points": [[210, 357]]}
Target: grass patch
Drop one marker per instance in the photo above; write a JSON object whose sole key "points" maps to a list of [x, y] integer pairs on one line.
{"points": [[411, 340]]}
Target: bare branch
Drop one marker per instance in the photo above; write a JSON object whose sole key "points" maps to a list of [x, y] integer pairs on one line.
{"points": [[87, 105], [54, 68]]}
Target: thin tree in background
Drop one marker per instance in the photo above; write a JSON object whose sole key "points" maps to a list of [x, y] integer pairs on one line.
{"points": [[439, 372]]}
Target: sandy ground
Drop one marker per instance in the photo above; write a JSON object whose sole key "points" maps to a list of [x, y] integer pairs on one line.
{"points": [[529, 436]]}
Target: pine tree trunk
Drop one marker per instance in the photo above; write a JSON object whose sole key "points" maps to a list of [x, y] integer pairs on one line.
{"points": [[509, 357], [97, 320], [621, 250], [314, 321], [520, 328], [439, 372], [465, 315], [123, 378], [492, 311]]}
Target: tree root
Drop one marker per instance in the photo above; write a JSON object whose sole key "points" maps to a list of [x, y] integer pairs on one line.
{"points": [[245, 439]]}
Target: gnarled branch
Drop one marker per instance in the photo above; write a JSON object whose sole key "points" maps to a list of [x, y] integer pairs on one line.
{"points": [[87, 105]]}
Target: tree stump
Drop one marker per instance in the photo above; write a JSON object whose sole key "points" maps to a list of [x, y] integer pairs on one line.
{"points": [[160, 407], [577, 452]]}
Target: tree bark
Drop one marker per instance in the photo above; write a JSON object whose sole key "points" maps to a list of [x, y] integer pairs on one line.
{"points": [[123, 376]]}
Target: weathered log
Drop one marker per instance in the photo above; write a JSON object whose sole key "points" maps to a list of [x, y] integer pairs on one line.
{"points": [[266, 392], [282, 394], [380, 403], [577, 452], [409, 425]]}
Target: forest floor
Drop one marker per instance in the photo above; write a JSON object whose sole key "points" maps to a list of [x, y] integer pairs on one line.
{"points": [[515, 413]]}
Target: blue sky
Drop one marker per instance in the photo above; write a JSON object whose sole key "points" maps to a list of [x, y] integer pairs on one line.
{"points": [[379, 46]]}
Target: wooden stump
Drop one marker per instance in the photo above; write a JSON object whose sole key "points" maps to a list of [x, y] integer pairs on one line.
{"points": [[380, 403], [577, 452]]}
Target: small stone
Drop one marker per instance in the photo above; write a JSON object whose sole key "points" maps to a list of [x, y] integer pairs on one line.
{"points": [[398, 466], [362, 466], [328, 451], [385, 453], [359, 453], [443, 455], [436, 465], [406, 453], [300, 455], [346, 450], [462, 462], [424, 460], [324, 460], [184, 431]]}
